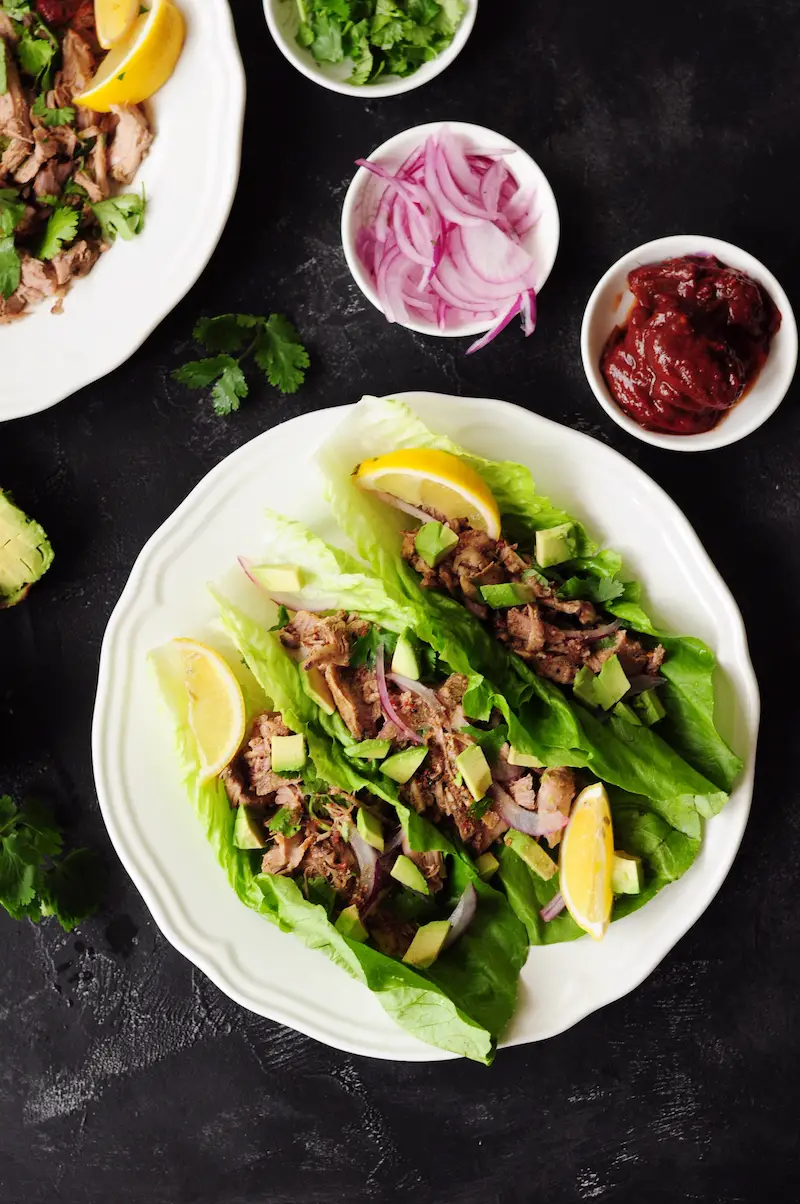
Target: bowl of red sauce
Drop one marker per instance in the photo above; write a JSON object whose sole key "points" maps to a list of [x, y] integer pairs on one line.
{"points": [[689, 343]]}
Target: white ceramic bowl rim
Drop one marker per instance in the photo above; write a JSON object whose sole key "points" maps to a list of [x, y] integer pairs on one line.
{"points": [[282, 22], [542, 240], [611, 297]]}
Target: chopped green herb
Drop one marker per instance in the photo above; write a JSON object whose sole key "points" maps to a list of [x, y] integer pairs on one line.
{"points": [[282, 619], [52, 117], [10, 269], [12, 211], [283, 822], [366, 646], [491, 740], [273, 342], [62, 226], [478, 810], [123, 215], [592, 589]]}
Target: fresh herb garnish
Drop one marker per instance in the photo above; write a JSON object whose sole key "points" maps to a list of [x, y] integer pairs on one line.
{"points": [[3, 69], [491, 740], [379, 37], [283, 822], [478, 809], [37, 54], [273, 342], [123, 215], [35, 879], [61, 228], [10, 268], [365, 647], [592, 589], [52, 117], [12, 210], [282, 619]]}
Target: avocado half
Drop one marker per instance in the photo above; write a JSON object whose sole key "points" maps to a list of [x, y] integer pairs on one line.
{"points": [[25, 552]]}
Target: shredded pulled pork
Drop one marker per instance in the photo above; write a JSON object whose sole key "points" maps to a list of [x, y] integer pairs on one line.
{"points": [[554, 635], [48, 167]]}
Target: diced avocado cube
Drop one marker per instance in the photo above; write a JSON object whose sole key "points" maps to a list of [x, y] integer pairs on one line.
{"points": [[278, 578], [349, 924], [623, 711], [611, 684], [25, 552], [427, 944], [533, 574], [369, 750], [555, 545], [370, 828], [627, 874], [649, 707], [248, 830], [510, 593], [515, 757], [584, 686], [487, 866], [288, 753], [317, 688], [403, 765], [475, 770], [433, 541], [405, 660], [531, 853], [407, 873]]}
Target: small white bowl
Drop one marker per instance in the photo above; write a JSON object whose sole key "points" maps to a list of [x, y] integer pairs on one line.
{"points": [[284, 21], [365, 191], [611, 301]]}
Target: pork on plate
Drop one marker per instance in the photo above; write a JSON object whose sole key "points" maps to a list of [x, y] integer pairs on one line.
{"points": [[64, 169], [405, 712]]}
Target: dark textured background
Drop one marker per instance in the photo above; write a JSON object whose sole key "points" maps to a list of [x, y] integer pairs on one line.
{"points": [[124, 1075]]}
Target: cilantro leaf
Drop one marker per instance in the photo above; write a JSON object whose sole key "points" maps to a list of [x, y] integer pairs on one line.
{"points": [[478, 809], [282, 619], [73, 888], [52, 117], [389, 25], [423, 11], [366, 646], [12, 210], [228, 332], [16, 9], [281, 355], [327, 44], [123, 215], [34, 882], [283, 822], [592, 589], [229, 389], [491, 740], [36, 55], [200, 373], [62, 226], [335, 8], [10, 269]]}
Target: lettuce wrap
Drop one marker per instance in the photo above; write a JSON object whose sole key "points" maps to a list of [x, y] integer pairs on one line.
{"points": [[686, 759], [665, 835], [464, 1001]]}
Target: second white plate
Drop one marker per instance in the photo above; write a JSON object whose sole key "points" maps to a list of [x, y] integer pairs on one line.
{"points": [[150, 820]]}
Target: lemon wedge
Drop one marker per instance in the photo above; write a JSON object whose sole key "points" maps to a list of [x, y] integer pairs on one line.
{"points": [[114, 19], [434, 480], [216, 710], [141, 63], [587, 856]]}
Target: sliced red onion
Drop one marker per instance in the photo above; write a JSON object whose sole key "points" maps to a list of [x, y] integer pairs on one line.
{"points": [[369, 867], [532, 823], [396, 841], [414, 511], [386, 702], [596, 633], [644, 681], [444, 246], [553, 908], [416, 687], [462, 916]]}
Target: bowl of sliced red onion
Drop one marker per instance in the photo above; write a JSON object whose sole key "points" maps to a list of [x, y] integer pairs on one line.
{"points": [[450, 229]]}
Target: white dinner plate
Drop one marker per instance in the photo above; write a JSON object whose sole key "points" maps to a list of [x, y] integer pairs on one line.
{"points": [[190, 179], [151, 822]]}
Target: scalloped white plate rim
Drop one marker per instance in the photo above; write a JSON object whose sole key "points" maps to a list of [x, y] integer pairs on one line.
{"points": [[128, 289], [640, 941]]}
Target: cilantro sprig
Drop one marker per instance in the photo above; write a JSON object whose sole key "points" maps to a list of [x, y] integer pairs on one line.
{"points": [[123, 215], [379, 37], [273, 343], [61, 228], [36, 878], [50, 116], [12, 211]]}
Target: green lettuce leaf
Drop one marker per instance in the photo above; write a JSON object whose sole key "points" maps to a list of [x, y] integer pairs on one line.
{"points": [[692, 760], [640, 829]]}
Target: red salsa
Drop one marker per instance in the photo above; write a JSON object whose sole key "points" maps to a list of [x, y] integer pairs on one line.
{"points": [[694, 341]]}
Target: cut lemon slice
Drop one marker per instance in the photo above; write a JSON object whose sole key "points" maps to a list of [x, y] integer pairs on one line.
{"points": [[215, 709], [436, 481], [587, 856], [140, 64], [114, 19]]}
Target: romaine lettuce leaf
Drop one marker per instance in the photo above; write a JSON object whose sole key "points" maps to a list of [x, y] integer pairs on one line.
{"points": [[692, 760]]}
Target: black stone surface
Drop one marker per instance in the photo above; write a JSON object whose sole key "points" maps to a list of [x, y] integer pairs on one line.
{"points": [[124, 1075]]}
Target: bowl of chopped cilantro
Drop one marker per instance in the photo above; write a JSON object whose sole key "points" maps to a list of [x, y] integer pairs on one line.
{"points": [[370, 48]]}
